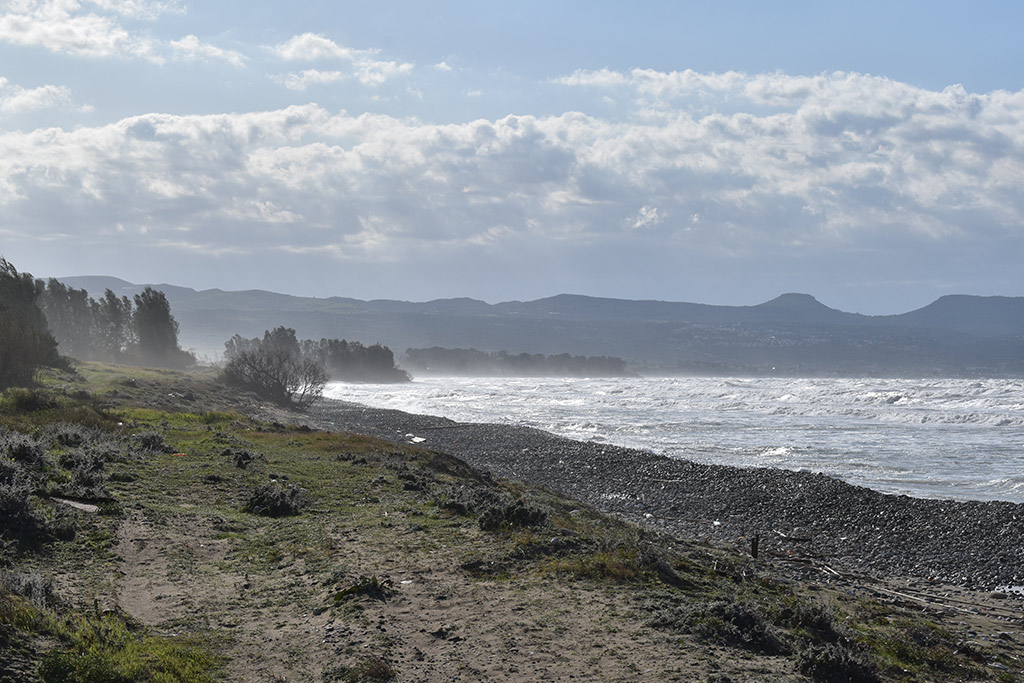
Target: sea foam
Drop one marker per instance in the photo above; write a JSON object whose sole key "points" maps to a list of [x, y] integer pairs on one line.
{"points": [[931, 437]]}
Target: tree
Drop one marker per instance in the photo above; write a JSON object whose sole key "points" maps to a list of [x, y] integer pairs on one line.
{"points": [[113, 325], [25, 340], [156, 331], [69, 318], [274, 368]]}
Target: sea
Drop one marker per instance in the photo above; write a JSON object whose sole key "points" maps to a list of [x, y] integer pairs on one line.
{"points": [[933, 438]]}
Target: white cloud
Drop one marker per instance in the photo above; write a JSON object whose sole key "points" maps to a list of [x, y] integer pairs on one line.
{"points": [[66, 26], [190, 48], [91, 28], [139, 9], [600, 78], [377, 72], [16, 100], [836, 163], [647, 217], [442, 66], [312, 47], [304, 79]]}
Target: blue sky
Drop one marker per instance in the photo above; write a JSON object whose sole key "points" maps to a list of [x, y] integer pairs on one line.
{"points": [[869, 154]]}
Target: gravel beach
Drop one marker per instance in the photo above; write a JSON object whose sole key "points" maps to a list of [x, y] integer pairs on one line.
{"points": [[972, 544]]}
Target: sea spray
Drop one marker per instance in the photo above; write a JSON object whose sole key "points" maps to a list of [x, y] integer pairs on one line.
{"points": [[949, 438]]}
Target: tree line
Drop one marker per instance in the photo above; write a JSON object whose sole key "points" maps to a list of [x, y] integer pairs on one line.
{"points": [[25, 341], [112, 329], [283, 369], [444, 361], [41, 321]]}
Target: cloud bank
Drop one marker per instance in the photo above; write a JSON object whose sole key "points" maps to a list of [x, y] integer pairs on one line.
{"points": [[781, 168]]}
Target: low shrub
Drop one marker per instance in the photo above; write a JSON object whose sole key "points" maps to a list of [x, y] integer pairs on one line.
{"points": [[18, 521], [20, 400], [36, 588], [736, 623], [22, 449], [88, 479], [239, 456], [370, 668], [516, 515], [835, 663], [68, 435], [275, 500], [152, 442], [370, 586], [495, 510]]}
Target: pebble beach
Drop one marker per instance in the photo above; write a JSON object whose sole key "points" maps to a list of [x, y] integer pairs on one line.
{"points": [[969, 543]]}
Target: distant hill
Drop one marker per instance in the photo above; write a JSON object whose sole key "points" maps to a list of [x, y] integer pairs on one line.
{"points": [[791, 334]]}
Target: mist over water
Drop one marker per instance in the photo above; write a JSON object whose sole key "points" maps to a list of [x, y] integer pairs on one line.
{"points": [[936, 438]]}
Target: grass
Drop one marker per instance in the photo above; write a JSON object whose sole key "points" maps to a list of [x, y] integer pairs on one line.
{"points": [[289, 521], [95, 646]]}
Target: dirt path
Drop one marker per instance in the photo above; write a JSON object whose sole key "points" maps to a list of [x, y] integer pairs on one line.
{"points": [[438, 622]]}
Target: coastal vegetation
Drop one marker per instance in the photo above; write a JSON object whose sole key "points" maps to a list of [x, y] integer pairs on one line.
{"points": [[282, 369], [274, 368], [442, 361], [138, 331], [25, 342], [352, 361], [211, 539], [42, 318]]}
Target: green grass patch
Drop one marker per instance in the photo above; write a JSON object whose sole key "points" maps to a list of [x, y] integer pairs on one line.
{"points": [[98, 647], [618, 565], [26, 409]]}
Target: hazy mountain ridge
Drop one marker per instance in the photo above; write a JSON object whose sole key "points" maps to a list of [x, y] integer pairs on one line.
{"points": [[959, 335]]}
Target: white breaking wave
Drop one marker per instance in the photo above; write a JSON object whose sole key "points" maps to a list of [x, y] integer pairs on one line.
{"points": [[935, 438]]}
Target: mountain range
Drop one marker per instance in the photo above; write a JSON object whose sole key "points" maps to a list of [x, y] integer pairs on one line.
{"points": [[957, 335]]}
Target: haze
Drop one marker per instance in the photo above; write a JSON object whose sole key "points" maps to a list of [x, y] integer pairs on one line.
{"points": [[869, 155]]}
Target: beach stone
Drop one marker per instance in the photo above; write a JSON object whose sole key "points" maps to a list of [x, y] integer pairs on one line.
{"points": [[971, 543]]}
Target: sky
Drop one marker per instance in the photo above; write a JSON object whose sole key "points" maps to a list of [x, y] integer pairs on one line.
{"points": [[870, 154]]}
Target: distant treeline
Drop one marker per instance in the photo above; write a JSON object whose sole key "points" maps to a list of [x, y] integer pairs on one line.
{"points": [[338, 358], [353, 362], [112, 329], [42, 321], [443, 361]]}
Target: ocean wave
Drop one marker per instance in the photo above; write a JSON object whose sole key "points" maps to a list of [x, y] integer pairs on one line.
{"points": [[925, 437]]}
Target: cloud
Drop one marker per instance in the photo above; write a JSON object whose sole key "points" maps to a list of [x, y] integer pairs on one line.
{"points": [[66, 26], [190, 48], [140, 9], [76, 28], [798, 168], [312, 47], [648, 216], [304, 79], [377, 72], [16, 100], [600, 78]]}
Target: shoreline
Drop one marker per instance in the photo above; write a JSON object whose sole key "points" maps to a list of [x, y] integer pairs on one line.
{"points": [[976, 544], [931, 439]]}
